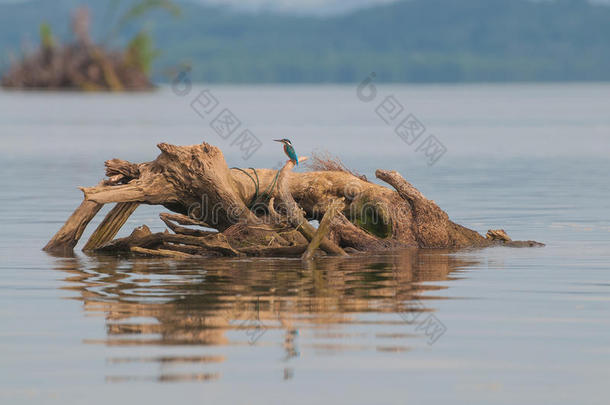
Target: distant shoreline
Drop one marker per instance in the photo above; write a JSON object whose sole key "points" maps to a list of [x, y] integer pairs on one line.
{"points": [[417, 41]]}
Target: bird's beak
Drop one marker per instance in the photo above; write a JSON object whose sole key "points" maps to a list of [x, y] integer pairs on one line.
{"points": [[277, 140]]}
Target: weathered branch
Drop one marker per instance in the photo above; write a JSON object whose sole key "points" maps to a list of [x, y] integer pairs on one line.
{"points": [[69, 234], [282, 251], [140, 237], [183, 219], [180, 229], [161, 253], [403, 187], [213, 243], [348, 235], [111, 225], [295, 214], [323, 228], [432, 225], [120, 171]]}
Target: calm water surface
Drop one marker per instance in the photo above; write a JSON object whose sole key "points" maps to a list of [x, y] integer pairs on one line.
{"points": [[478, 326]]}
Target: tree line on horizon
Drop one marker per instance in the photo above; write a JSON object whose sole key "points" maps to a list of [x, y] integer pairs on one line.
{"points": [[408, 41]]}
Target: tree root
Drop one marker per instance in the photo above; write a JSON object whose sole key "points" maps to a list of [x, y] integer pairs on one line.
{"points": [[111, 225], [195, 183]]}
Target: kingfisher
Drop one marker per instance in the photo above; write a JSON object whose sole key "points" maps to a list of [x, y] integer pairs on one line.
{"points": [[289, 150]]}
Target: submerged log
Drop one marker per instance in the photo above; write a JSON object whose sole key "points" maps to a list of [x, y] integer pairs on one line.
{"points": [[162, 253], [69, 234], [264, 212]]}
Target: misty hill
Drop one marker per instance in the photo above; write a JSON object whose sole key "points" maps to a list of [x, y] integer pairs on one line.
{"points": [[409, 41]]}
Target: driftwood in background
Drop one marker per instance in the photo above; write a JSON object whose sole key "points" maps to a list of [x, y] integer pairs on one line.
{"points": [[76, 67], [80, 65], [236, 218]]}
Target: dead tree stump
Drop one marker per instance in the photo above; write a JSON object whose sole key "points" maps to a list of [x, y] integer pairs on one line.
{"points": [[196, 184]]}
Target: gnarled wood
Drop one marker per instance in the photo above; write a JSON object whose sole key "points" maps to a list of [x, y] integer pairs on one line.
{"points": [[183, 219], [296, 216], [67, 237], [111, 225], [431, 225], [180, 229], [323, 229], [192, 180], [214, 243], [498, 234], [196, 184], [161, 253], [282, 251], [141, 236]]}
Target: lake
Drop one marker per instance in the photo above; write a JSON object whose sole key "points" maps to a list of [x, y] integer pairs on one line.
{"points": [[496, 325]]}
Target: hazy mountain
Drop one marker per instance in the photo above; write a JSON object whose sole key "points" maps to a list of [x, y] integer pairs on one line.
{"points": [[415, 41], [303, 7]]}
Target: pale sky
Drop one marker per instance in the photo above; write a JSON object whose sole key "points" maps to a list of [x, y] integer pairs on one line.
{"points": [[311, 6], [316, 7], [298, 6], [288, 6]]}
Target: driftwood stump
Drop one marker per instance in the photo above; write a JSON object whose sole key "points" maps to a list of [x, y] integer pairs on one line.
{"points": [[80, 65], [261, 212]]}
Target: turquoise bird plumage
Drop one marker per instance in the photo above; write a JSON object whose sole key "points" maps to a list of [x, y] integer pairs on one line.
{"points": [[289, 150]]}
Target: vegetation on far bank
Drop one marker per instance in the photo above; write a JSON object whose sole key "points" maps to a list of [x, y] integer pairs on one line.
{"points": [[407, 41], [81, 63]]}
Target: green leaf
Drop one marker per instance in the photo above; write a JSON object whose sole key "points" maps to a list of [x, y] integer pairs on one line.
{"points": [[46, 35], [141, 52]]}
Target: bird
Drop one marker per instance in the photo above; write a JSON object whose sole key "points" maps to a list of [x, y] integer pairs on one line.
{"points": [[289, 150]]}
